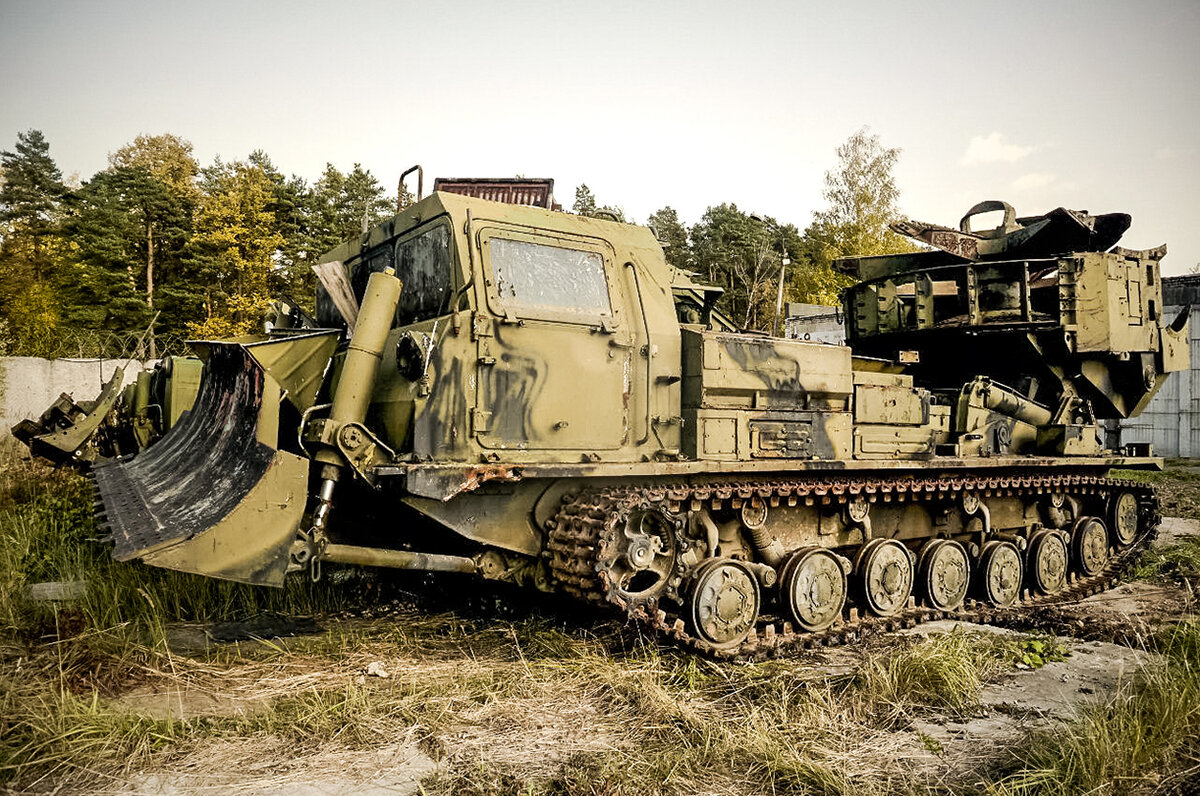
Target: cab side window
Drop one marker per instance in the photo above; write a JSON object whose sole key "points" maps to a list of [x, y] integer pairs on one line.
{"points": [[423, 264]]}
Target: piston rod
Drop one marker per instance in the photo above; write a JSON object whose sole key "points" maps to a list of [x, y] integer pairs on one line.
{"points": [[397, 559]]}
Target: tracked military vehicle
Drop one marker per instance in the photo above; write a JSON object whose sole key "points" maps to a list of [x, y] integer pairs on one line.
{"points": [[537, 397], [121, 421], [125, 419]]}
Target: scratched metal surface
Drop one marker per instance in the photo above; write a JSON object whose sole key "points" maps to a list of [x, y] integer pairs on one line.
{"points": [[198, 472]]}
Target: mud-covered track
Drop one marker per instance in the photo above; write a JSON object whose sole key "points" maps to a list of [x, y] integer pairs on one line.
{"points": [[576, 539]]}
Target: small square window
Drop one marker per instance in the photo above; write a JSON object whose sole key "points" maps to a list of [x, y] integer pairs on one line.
{"points": [[538, 278]]}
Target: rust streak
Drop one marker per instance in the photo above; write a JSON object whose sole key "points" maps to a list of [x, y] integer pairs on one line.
{"points": [[477, 476]]}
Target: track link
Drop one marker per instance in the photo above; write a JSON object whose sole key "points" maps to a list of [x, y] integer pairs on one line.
{"points": [[576, 539]]}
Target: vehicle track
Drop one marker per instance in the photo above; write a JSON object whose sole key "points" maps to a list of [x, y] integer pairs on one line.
{"points": [[577, 537]]}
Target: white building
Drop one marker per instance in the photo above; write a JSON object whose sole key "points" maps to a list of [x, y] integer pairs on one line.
{"points": [[1171, 422], [815, 322]]}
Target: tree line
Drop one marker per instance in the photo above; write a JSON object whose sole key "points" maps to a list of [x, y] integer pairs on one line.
{"points": [[202, 251], [743, 252]]}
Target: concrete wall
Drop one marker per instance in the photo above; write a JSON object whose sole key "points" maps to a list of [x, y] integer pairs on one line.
{"points": [[28, 385]]}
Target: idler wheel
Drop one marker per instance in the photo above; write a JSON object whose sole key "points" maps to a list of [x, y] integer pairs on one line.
{"points": [[724, 602], [1000, 573], [1089, 546], [885, 576], [944, 573], [813, 588], [1123, 519], [1047, 562], [637, 557]]}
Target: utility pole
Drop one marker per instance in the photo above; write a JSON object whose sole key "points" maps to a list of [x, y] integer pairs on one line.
{"points": [[784, 262]]}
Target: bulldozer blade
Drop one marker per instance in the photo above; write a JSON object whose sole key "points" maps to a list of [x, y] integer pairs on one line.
{"points": [[215, 495]]}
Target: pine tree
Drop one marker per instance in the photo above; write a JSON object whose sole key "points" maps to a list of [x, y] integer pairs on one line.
{"points": [[742, 253], [291, 277], [156, 179], [105, 287], [31, 195], [366, 202], [29, 200], [326, 211], [342, 204], [585, 201], [673, 235], [586, 205]]}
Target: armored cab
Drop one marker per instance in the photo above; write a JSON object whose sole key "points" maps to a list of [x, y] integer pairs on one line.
{"points": [[533, 396]]}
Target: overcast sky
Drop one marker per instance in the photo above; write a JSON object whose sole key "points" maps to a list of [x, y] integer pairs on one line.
{"points": [[1087, 105]]}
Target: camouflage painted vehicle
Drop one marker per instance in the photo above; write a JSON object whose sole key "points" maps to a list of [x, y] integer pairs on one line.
{"points": [[121, 421], [537, 397], [128, 418]]}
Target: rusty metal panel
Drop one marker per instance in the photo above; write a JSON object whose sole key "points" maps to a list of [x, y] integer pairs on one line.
{"points": [[515, 191]]}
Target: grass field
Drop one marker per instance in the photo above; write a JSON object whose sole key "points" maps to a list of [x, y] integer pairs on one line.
{"points": [[95, 694]]}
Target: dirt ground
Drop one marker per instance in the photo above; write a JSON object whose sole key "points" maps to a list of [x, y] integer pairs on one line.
{"points": [[551, 721]]}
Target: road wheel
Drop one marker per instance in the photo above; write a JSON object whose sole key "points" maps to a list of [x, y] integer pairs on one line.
{"points": [[813, 588], [724, 602], [1089, 546], [1047, 561], [1000, 573], [1123, 519], [944, 573], [885, 576]]}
